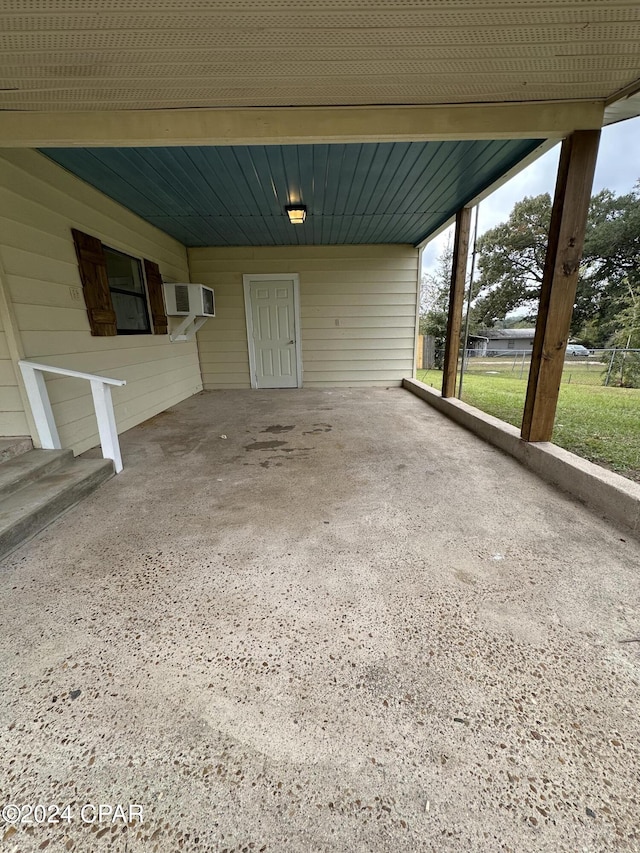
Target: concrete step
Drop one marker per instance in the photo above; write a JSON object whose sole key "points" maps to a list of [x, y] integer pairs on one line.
{"points": [[20, 471], [28, 510], [10, 447]]}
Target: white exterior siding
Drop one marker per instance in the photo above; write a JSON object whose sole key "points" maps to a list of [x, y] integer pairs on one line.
{"points": [[357, 305], [12, 417], [40, 203]]}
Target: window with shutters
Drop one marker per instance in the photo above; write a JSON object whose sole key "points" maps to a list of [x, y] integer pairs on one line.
{"points": [[123, 294], [128, 293]]}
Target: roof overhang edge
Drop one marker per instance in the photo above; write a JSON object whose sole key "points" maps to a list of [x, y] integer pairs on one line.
{"points": [[298, 125]]}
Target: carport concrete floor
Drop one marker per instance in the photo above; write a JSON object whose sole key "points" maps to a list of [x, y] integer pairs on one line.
{"points": [[322, 621]]}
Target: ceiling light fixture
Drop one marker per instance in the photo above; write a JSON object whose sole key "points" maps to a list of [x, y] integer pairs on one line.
{"points": [[297, 213]]}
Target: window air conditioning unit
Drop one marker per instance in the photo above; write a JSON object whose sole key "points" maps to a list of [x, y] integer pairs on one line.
{"points": [[194, 303], [184, 300]]}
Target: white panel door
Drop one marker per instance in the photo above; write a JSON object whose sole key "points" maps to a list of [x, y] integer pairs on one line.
{"points": [[272, 330]]}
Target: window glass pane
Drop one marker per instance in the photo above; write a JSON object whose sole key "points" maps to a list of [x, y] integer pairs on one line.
{"points": [[131, 312], [128, 294], [124, 272]]}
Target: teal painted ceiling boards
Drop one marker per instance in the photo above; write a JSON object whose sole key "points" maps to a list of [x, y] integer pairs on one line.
{"points": [[392, 192]]}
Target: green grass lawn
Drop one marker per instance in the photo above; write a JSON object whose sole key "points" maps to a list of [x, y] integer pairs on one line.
{"points": [[598, 423]]}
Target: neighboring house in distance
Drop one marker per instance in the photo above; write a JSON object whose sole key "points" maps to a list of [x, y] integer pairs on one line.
{"points": [[493, 341]]}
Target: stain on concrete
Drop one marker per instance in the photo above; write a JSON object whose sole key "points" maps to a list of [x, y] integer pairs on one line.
{"points": [[277, 446], [318, 428], [464, 577], [264, 445], [156, 420], [278, 428]]}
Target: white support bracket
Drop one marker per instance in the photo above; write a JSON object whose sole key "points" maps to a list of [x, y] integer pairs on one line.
{"points": [[187, 329], [106, 423], [36, 389]]}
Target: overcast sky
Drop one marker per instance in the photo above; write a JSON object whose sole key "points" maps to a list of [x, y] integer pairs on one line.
{"points": [[618, 169]]}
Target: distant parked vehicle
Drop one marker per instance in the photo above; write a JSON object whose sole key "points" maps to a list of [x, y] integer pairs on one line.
{"points": [[577, 350]]}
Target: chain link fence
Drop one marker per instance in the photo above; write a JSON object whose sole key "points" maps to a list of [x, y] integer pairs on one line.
{"points": [[614, 367], [598, 413]]}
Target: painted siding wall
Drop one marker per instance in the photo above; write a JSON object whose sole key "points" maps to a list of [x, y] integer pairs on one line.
{"points": [[517, 345], [357, 305], [12, 417], [39, 204]]}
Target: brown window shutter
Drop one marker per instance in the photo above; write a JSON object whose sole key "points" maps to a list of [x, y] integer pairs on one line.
{"points": [[156, 300], [95, 283]]}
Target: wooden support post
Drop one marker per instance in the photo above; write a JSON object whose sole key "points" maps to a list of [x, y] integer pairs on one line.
{"points": [[456, 301], [560, 277]]}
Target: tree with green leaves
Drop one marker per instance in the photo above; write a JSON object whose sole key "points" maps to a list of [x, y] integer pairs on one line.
{"points": [[624, 369], [511, 260], [434, 301], [610, 281]]}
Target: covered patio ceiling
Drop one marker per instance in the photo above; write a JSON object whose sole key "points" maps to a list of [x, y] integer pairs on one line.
{"points": [[388, 192]]}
